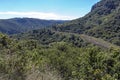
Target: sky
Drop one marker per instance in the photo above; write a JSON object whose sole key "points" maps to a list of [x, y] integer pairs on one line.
{"points": [[45, 9]]}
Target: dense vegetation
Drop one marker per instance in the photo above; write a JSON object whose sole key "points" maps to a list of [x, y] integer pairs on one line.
{"points": [[47, 36], [18, 25], [64, 52], [25, 59]]}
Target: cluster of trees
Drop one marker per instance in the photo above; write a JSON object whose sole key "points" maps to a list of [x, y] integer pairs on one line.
{"points": [[47, 36], [21, 58]]}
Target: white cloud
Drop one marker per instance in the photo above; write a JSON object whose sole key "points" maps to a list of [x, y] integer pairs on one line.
{"points": [[39, 15]]}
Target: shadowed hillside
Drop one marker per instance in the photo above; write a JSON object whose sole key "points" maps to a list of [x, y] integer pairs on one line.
{"points": [[102, 22]]}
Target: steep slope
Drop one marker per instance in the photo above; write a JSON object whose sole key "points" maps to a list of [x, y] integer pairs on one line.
{"points": [[17, 25], [102, 22]]}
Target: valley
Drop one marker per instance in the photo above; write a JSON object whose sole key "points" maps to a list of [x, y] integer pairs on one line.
{"points": [[87, 48]]}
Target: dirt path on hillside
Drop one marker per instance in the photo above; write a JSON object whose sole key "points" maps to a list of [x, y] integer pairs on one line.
{"points": [[98, 42]]}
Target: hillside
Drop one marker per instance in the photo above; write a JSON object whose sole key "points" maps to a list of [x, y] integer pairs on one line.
{"points": [[76, 50], [47, 36], [101, 22], [29, 58], [18, 25]]}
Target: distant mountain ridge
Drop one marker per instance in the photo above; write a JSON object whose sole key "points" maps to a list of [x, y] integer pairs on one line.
{"points": [[18, 25]]}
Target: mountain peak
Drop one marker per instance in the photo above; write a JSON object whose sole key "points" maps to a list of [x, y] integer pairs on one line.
{"points": [[105, 7]]}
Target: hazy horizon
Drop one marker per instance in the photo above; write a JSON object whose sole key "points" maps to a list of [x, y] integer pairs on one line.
{"points": [[47, 9]]}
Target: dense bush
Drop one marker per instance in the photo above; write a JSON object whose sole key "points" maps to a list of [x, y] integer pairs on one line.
{"points": [[63, 58]]}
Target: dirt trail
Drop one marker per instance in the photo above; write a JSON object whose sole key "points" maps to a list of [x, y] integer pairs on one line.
{"points": [[93, 40], [98, 42]]}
